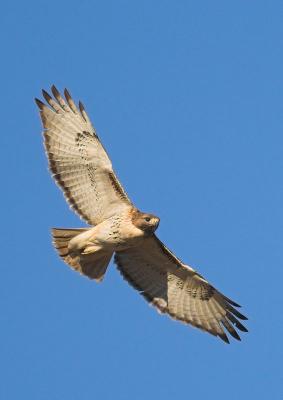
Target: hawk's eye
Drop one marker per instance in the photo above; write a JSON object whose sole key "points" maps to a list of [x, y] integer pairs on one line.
{"points": [[147, 219]]}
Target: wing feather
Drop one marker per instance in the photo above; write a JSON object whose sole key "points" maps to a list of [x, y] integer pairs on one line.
{"points": [[78, 161], [178, 290]]}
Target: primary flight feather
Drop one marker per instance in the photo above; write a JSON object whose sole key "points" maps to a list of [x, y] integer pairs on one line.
{"points": [[83, 170]]}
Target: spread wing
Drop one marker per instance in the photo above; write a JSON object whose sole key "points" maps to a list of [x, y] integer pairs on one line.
{"points": [[78, 161], [178, 290]]}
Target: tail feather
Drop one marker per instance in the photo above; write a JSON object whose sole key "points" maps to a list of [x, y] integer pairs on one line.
{"points": [[93, 265]]}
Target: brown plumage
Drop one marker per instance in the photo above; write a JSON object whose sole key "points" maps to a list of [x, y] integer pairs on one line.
{"points": [[83, 170]]}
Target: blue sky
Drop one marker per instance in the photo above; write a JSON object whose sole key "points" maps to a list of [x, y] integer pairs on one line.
{"points": [[187, 97]]}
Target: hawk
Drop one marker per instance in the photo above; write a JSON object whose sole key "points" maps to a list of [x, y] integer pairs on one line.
{"points": [[82, 169]]}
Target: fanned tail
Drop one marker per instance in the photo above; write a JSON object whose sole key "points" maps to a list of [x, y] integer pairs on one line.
{"points": [[93, 265]]}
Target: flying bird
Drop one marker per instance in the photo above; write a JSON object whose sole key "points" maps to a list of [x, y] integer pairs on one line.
{"points": [[82, 169]]}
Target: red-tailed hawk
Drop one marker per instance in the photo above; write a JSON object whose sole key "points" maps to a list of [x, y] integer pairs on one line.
{"points": [[83, 170]]}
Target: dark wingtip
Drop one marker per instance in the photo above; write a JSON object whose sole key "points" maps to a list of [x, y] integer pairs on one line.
{"points": [[46, 95], [55, 91], [67, 94], [224, 337], [81, 107], [232, 302], [236, 312], [39, 103], [235, 322], [240, 326], [235, 335]]}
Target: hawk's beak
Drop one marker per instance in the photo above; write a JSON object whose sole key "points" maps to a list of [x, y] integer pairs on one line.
{"points": [[156, 222]]}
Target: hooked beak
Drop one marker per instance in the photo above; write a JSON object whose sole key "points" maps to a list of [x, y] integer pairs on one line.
{"points": [[156, 222]]}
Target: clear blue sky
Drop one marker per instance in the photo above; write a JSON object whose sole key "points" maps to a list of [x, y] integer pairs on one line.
{"points": [[187, 97]]}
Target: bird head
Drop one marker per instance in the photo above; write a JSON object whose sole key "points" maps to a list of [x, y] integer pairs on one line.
{"points": [[146, 222]]}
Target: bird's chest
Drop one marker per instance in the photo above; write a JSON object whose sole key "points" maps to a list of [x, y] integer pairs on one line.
{"points": [[122, 234]]}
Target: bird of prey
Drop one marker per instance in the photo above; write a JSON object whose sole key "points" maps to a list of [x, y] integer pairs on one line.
{"points": [[82, 169]]}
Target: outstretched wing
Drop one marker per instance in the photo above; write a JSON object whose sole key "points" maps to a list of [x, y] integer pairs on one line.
{"points": [[177, 289], [78, 161]]}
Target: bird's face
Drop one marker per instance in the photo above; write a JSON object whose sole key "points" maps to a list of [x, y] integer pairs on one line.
{"points": [[146, 222]]}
